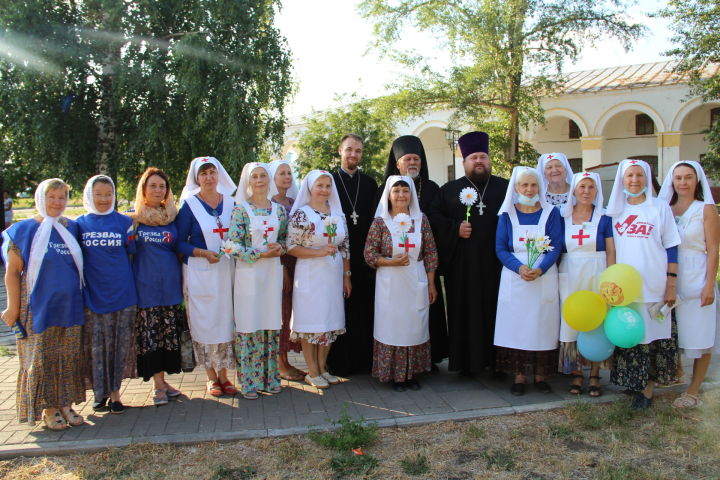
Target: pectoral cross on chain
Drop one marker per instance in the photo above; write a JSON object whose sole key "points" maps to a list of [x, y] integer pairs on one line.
{"points": [[355, 216], [480, 206]]}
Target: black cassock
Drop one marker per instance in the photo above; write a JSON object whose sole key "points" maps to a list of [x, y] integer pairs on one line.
{"points": [[427, 190], [352, 352], [471, 270]]}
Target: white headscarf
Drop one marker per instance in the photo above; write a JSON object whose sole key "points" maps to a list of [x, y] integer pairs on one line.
{"points": [[616, 204], [414, 207], [543, 161], [667, 189], [304, 195], [39, 245], [89, 201], [244, 191], [511, 196], [293, 190], [225, 185], [567, 209]]}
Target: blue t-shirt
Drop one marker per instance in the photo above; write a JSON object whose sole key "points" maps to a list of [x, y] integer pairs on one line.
{"points": [[106, 241], [190, 235], [156, 267], [604, 231], [504, 238], [57, 299]]}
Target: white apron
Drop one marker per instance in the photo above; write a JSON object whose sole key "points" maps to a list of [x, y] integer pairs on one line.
{"points": [[528, 313], [580, 267], [318, 302], [209, 287], [258, 296], [402, 303], [696, 325]]}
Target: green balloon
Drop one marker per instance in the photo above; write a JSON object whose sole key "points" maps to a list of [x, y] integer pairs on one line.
{"points": [[624, 327]]}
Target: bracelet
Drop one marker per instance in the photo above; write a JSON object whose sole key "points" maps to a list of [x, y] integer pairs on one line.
{"points": [[670, 274], [348, 273]]}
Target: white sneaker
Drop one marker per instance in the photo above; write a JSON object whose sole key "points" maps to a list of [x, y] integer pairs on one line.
{"points": [[331, 379], [317, 382]]}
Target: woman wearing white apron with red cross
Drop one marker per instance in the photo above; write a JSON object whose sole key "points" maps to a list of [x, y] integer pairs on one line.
{"points": [[317, 236], [257, 239], [528, 311], [588, 249], [401, 247], [646, 237], [203, 223], [687, 190]]}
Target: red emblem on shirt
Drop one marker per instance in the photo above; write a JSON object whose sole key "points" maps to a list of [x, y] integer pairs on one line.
{"points": [[632, 228]]}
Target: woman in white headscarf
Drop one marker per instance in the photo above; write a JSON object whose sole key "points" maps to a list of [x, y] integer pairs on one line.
{"points": [[257, 239], [528, 311], [43, 279], [556, 175], [687, 190], [106, 238], [588, 249], [317, 236], [401, 247], [646, 237], [203, 223], [284, 191]]}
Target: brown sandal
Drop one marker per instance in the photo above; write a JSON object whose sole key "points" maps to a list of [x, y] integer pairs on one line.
{"points": [[595, 390], [576, 389], [55, 421], [72, 417]]}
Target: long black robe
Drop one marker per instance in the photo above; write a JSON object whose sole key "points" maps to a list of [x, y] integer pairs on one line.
{"points": [[471, 270], [437, 322], [352, 352]]}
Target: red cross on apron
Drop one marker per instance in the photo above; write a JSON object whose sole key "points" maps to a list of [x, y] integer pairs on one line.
{"points": [[267, 230], [220, 231], [580, 237], [407, 245]]}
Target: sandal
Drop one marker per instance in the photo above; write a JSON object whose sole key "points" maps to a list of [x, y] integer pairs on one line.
{"points": [[273, 390], [172, 391], [55, 421], [72, 417], [251, 395], [293, 377], [595, 390], [576, 389], [687, 400], [215, 389], [228, 388], [160, 397]]}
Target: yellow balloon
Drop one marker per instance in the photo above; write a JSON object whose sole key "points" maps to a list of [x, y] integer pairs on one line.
{"points": [[620, 284], [584, 310]]}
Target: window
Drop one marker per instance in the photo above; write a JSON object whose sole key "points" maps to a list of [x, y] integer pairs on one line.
{"points": [[714, 117], [575, 164], [573, 130], [644, 125]]}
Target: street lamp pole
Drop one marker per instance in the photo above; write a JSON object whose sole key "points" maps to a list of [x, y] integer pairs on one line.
{"points": [[451, 135]]}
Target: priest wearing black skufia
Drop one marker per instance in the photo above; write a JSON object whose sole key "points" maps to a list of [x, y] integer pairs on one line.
{"points": [[467, 256], [407, 157], [352, 352]]}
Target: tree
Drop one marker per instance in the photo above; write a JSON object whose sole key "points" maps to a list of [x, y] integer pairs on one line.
{"points": [[106, 86], [319, 142], [507, 55], [697, 32]]}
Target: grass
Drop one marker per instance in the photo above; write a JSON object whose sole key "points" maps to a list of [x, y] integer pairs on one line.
{"points": [[221, 472], [415, 464], [6, 351], [345, 465], [350, 433]]}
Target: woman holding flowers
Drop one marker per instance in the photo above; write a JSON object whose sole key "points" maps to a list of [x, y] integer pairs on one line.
{"points": [[646, 238], [527, 243], [317, 237], [257, 239], [203, 222], [588, 249], [401, 247]]}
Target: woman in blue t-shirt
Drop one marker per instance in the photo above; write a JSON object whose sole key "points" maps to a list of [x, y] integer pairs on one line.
{"points": [[106, 238]]}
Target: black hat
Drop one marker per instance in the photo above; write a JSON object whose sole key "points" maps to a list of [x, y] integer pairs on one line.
{"points": [[473, 142], [403, 146]]}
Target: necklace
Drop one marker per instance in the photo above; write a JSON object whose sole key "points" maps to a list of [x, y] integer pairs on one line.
{"points": [[354, 214], [480, 206]]}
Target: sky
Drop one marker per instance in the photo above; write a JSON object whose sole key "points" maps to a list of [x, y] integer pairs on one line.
{"points": [[332, 56]]}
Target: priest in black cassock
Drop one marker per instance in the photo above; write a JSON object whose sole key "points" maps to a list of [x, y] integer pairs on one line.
{"points": [[352, 352], [467, 256], [407, 157]]}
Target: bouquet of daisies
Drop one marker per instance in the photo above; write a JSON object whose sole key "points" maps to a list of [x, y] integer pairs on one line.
{"points": [[229, 248], [536, 246]]}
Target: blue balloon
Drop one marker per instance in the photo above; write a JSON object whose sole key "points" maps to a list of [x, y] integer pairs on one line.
{"points": [[594, 345], [624, 327]]}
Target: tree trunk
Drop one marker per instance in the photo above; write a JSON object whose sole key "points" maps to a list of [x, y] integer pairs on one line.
{"points": [[106, 120]]}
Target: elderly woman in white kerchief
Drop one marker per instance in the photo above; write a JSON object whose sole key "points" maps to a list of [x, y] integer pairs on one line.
{"points": [[43, 279], [556, 175], [401, 247], [203, 223], [687, 190], [317, 236], [646, 237]]}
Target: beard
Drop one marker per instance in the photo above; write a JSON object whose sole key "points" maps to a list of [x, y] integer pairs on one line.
{"points": [[413, 173], [479, 177]]}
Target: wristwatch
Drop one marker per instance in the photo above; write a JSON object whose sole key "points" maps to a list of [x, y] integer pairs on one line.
{"points": [[348, 273]]}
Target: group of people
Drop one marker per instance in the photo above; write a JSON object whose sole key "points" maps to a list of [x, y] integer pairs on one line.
{"points": [[349, 274]]}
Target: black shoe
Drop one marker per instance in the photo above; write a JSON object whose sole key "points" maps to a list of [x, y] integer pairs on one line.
{"points": [[101, 405], [413, 384], [543, 387], [434, 368], [398, 386], [117, 407], [641, 402], [517, 389], [496, 375]]}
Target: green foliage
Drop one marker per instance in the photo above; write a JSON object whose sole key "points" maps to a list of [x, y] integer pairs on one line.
{"points": [[347, 435], [345, 465], [500, 458], [221, 472], [319, 143], [415, 464], [155, 83], [506, 56], [473, 432], [6, 352]]}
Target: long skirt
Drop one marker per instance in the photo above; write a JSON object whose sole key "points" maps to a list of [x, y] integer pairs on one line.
{"points": [[109, 347], [257, 360], [526, 362], [570, 360], [215, 356], [157, 332], [287, 345], [400, 364]]}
